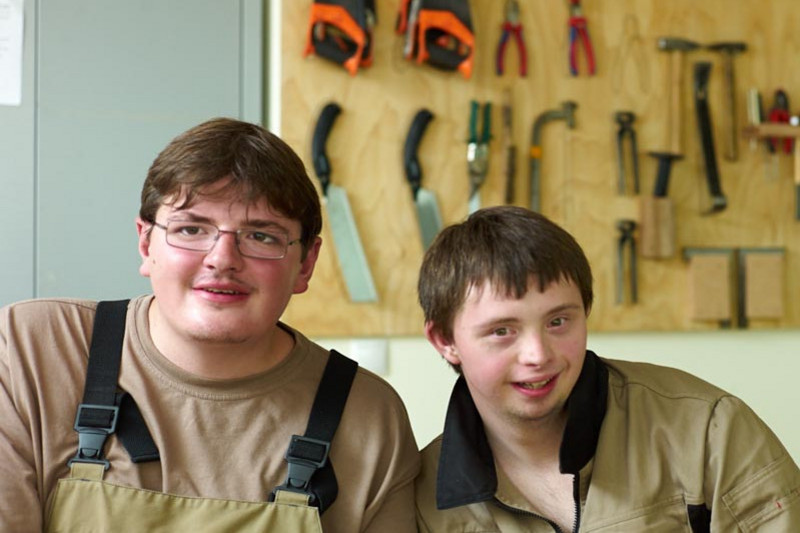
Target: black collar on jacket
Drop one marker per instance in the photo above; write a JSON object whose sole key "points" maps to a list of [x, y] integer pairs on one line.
{"points": [[466, 471]]}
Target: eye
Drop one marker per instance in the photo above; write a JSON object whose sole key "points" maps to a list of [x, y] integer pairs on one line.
{"points": [[557, 322], [188, 230], [500, 332], [262, 237]]}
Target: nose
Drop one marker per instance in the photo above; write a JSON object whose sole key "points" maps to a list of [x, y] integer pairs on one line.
{"points": [[225, 255], [534, 350]]}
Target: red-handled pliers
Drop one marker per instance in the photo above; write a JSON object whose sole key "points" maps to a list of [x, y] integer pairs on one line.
{"points": [[512, 26], [780, 113], [578, 32]]}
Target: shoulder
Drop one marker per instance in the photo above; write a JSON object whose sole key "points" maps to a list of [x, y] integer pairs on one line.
{"points": [[662, 381], [371, 397], [46, 315], [426, 481], [44, 308]]}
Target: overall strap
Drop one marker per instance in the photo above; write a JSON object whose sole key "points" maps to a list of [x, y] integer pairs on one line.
{"points": [[310, 471], [99, 413]]}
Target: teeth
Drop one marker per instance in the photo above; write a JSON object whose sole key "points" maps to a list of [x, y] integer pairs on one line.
{"points": [[218, 291], [536, 385]]}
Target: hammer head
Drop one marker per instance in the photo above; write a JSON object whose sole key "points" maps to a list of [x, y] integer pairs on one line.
{"points": [[729, 47], [677, 44]]}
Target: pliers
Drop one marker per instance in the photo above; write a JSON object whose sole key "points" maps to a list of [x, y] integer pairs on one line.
{"points": [[511, 26], [578, 32], [780, 113]]}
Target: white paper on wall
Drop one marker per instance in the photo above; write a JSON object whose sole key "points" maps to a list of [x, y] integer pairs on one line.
{"points": [[11, 52]]}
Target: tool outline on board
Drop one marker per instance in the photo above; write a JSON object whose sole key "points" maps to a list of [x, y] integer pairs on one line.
{"points": [[428, 216], [478, 151], [349, 251]]}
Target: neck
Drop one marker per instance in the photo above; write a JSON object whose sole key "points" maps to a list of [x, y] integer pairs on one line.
{"points": [[528, 442], [220, 360]]}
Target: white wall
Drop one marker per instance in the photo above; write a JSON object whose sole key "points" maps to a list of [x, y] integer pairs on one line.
{"points": [[760, 367]]}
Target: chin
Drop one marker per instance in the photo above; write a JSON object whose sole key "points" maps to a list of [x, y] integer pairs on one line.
{"points": [[206, 337]]}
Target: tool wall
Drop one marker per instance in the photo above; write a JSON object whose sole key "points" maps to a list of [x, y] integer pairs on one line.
{"points": [[738, 266]]}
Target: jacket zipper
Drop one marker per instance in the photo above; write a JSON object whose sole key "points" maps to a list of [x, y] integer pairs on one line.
{"points": [[576, 497], [520, 512], [576, 494]]}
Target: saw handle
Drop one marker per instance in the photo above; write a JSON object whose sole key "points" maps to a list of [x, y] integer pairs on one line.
{"points": [[410, 161], [322, 165]]}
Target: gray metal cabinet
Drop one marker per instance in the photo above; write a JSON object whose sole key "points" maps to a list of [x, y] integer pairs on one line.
{"points": [[108, 84]]}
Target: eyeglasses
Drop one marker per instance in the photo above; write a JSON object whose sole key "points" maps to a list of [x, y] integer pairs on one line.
{"points": [[260, 243]]}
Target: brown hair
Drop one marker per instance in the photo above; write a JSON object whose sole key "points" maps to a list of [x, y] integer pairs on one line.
{"points": [[504, 245], [261, 166]]}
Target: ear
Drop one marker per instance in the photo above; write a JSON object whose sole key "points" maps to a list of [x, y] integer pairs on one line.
{"points": [[143, 230], [307, 267], [445, 347]]}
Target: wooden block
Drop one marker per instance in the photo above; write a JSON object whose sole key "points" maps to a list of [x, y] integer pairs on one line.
{"points": [[657, 231], [764, 285], [710, 287]]}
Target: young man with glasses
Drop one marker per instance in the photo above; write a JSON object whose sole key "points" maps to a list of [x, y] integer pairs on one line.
{"points": [[543, 435], [211, 387]]}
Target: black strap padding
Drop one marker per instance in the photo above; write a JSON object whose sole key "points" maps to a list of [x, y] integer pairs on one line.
{"points": [[334, 387], [132, 431], [105, 353], [326, 413], [102, 376]]}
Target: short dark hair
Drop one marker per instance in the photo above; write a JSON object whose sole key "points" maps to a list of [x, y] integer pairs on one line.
{"points": [[261, 166], [504, 245]]}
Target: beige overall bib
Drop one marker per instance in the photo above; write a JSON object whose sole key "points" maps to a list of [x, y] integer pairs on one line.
{"points": [[83, 502]]}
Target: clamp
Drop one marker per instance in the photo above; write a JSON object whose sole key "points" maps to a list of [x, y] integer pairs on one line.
{"points": [[780, 113], [511, 26], [579, 34], [625, 121], [478, 152]]}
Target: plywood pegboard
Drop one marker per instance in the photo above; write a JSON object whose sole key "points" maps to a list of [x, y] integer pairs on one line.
{"points": [[579, 171]]}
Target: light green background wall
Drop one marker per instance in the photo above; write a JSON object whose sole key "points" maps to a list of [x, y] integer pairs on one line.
{"points": [[760, 367]]}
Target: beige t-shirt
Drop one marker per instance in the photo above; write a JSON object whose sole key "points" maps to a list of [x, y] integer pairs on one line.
{"points": [[217, 438]]}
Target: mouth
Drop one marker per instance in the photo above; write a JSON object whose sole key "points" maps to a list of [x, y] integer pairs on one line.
{"points": [[222, 291], [534, 385]]}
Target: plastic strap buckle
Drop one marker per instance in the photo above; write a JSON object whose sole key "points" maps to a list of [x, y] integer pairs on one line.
{"points": [[94, 423], [305, 456]]}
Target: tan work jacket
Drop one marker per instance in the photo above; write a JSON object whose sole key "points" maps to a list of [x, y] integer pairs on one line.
{"points": [[650, 448]]}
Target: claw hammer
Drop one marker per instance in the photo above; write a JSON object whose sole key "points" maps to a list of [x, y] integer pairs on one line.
{"points": [[676, 47]]}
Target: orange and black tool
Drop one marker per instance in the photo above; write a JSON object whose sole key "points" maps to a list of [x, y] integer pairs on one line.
{"points": [[341, 31], [439, 33]]}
